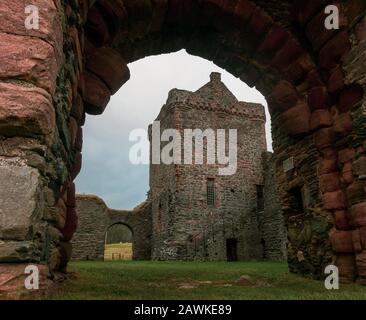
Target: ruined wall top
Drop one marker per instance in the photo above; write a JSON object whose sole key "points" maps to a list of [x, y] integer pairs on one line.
{"points": [[213, 96]]}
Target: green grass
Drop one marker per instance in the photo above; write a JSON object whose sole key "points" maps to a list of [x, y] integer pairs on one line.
{"points": [[193, 280]]}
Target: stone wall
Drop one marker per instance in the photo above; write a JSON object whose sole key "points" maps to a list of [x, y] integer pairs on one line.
{"points": [[271, 220], [95, 218]]}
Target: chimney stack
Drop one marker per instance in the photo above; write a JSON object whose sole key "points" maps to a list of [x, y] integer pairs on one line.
{"points": [[215, 77]]}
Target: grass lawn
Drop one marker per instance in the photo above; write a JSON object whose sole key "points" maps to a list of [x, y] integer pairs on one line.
{"points": [[194, 280]]}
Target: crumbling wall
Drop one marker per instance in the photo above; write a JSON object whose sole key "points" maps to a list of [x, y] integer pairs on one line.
{"points": [[271, 220], [95, 218]]}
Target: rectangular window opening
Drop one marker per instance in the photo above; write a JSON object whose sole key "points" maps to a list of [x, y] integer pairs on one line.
{"points": [[211, 192]]}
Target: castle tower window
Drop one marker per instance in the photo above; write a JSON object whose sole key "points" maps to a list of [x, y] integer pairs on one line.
{"points": [[210, 192], [260, 198]]}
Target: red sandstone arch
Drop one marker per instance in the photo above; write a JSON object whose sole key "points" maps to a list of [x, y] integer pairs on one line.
{"points": [[313, 78]]}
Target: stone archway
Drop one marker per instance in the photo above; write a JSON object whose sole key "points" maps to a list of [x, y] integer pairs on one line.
{"points": [[118, 242], [95, 219], [313, 79]]}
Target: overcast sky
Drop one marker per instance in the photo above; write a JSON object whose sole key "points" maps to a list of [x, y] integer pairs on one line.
{"points": [[107, 171]]}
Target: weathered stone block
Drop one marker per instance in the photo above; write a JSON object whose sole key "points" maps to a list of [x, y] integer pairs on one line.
{"points": [[296, 71], [54, 258], [117, 14], [65, 254], [320, 118], [75, 169], [50, 29], [139, 15], [284, 96], [305, 10], [73, 128], [335, 200], [109, 65], [356, 240], [313, 79], [26, 110], [315, 31], [361, 264], [12, 277], [342, 124], [287, 54], [324, 138], [329, 153], [349, 97], [79, 139], [97, 94], [346, 155], [19, 190], [77, 108], [347, 176], [243, 11], [70, 225], [318, 98], [327, 166], [177, 14], [336, 80], [78, 61], [273, 41], [54, 235], [97, 27], [362, 232], [358, 214], [297, 119], [361, 30], [71, 200], [341, 241], [346, 266], [259, 23], [353, 9], [18, 61], [359, 167], [17, 251], [329, 182], [333, 50], [356, 192], [341, 220], [62, 212]]}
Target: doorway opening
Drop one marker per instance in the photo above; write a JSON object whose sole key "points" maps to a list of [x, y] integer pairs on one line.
{"points": [[231, 249], [118, 243]]}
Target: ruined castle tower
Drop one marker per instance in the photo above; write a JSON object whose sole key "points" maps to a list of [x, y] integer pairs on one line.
{"points": [[198, 214]]}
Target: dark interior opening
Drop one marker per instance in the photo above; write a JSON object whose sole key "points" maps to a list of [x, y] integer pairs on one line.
{"points": [[263, 244], [231, 250], [296, 200], [260, 198]]}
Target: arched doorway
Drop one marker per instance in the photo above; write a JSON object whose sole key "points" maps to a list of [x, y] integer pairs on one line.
{"points": [[118, 242]]}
